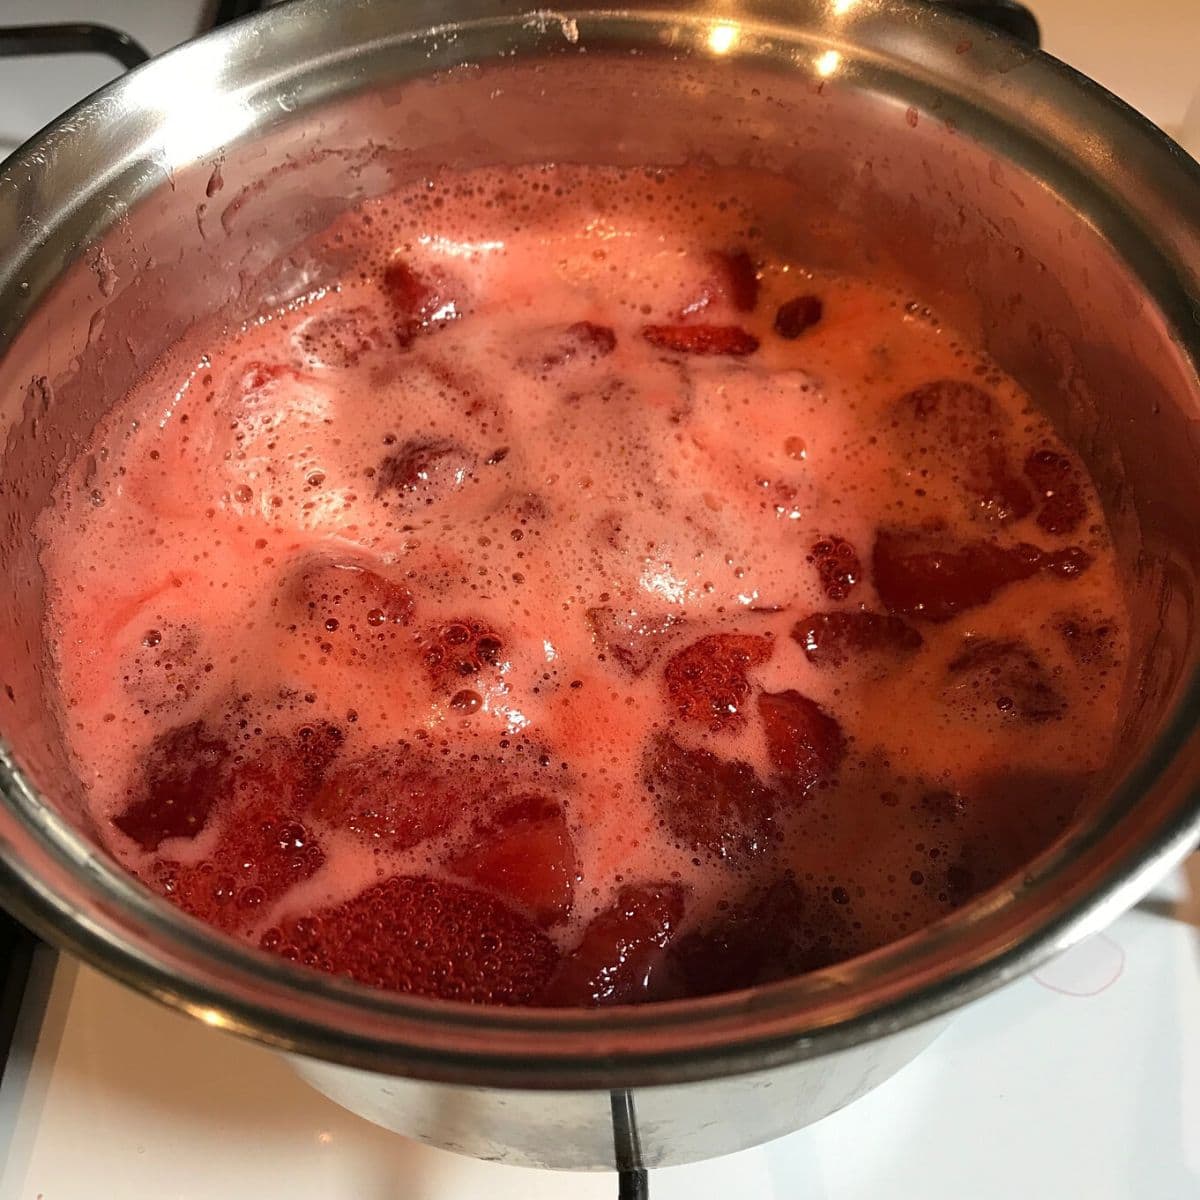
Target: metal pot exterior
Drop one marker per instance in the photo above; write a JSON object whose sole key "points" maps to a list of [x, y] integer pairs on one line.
{"points": [[1047, 221]]}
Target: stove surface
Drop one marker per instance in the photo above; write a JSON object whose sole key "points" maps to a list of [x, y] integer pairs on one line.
{"points": [[1082, 1081]]}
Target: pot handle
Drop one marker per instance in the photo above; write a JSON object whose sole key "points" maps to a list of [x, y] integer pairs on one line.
{"points": [[1008, 16], [71, 38]]}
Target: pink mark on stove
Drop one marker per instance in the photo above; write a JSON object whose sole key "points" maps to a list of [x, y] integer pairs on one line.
{"points": [[1088, 969]]}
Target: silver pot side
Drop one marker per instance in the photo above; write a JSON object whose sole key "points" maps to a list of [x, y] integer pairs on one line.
{"points": [[1041, 216]]}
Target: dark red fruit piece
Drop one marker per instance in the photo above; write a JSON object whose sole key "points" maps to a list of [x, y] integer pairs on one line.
{"points": [[924, 574], [632, 639], [420, 301], [424, 937], [457, 651], [526, 855], [998, 493], [798, 315], [618, 957], [429, 468], [711, 804], [582, 338], [832, 639], [776, 934], [1054, 476], [264, 849], [701, 339], [707, 683], [953, 411], [804, 742], [390, 798], [184, 773], [837, 565], [1090, 643], [340, 338], [732, 276], [996, 677], [345, 604]]}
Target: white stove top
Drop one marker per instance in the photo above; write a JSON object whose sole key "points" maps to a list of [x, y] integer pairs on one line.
{"points": [[1083, 1081]]}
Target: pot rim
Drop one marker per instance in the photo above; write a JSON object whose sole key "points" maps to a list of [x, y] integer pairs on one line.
{"points": [[61, 885]]}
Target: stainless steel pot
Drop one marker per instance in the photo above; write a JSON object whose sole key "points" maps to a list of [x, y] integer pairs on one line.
{"points": [[1035, 210]]}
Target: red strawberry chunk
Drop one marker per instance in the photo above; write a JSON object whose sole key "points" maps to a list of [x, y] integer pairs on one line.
{"points": [[425, 937], [832, 639], [804, 742], [421, 301], [391, 798], [340, 338], [583, 339], [733, 277], [961, 424], [921, 573], [346, 606], [701, 339], [263, 849], [711, 804], [632, 639], [1090, 643], [457, 652], [526, 855], [426, 469], [1054, 476], [798, 315], [185, 772], [778, 933], [706, 682], [993, 677], [619, 956], [837, 565]]}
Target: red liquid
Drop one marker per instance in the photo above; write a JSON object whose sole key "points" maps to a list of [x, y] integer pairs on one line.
{"points": [[580, 604]]}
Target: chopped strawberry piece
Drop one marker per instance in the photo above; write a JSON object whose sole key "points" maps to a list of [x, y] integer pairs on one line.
{"points": [[456, 652], [777, 933], [184, 773], [805, 743], [962, 424], [711, 804], [798, 315], [526, 855], [993, 677], [584, 338], [832, 639], [346, 606], [339, 338], [1054, 476], [633, 640], [263, 849], [424, 937], [420, 301], [701, 339], [391, 798], [837, 565], [707, 683], [921, 573], [618, 957], [951, 411], [998, 493], [732, 276], [1090, 643], [429, 468]]}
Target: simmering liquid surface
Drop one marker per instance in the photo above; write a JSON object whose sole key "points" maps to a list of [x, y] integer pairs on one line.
{"points": [[580, 604]]}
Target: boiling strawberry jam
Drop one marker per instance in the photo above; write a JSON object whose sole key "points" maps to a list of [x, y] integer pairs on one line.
{"points": [[579, 603]]}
